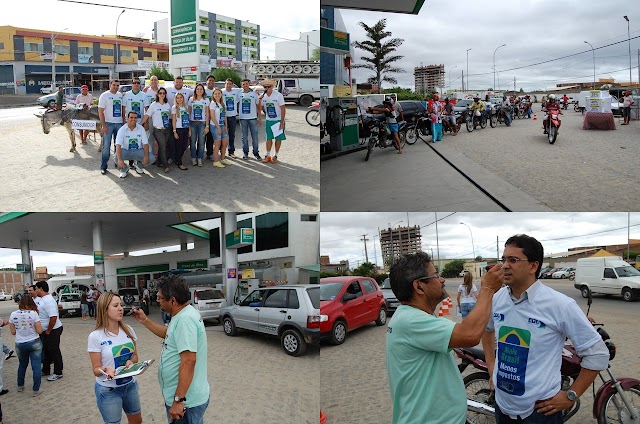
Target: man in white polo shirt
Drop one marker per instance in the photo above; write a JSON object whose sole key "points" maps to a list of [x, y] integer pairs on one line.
{"points": [[132, 144], [51, 332], [230, 99], [250, 116], [531, 322], [111, 118]]}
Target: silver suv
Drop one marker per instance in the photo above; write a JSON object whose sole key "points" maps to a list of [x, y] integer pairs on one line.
{"points": [[130, 298], [290, 312]]}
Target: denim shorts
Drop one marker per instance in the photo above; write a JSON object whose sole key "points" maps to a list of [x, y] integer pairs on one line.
{"points": [[85, 308], [113, 400], [393, 128], [214, 132]]}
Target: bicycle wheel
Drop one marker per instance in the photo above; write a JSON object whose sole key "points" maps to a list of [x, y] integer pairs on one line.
{"points": [[411, 135], [477, 388], [313, 117], [370, 146], [613, 409]]}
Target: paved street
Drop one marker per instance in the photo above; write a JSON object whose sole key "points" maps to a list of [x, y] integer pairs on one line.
{"points": [[584, 170], [40, 174], [252, 380], [356, 369]]}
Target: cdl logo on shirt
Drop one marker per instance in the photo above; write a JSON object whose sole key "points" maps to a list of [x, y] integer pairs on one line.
{"points": [[539, 323], [498, 317], [106, 342]]}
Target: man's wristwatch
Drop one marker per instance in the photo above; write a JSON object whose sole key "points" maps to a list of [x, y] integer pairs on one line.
{"points": [[571, 395], [178, 399]]}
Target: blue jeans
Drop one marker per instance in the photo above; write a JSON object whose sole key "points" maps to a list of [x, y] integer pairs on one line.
{"points": [[231, 123], [534, 418], [113, 400], [197, 135], [193, 415], [465, 308], [30, 351], [246, 125], [112, 130], [137, 155], [507, 118]]}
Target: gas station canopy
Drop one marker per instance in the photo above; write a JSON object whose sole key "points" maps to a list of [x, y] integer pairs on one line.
{"points": [[411, 7], [63, 232]]}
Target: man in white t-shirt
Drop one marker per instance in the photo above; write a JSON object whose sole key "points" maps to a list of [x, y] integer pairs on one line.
{"points": [[178, 87], [152, 89], [231, 99], [91, 304], [111, 118], [531, 323], [250, 116], [51, 331], [132, 144], [85, 99], [273, 106]]}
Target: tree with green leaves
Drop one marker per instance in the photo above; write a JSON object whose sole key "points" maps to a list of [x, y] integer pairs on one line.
{"points": [[222, 74], [315, 54], [452, 269], [382, 52], [367, 269], [161, 73]]}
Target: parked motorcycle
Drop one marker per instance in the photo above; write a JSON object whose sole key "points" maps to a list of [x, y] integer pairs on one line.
{"points": [[418, 128], [381, 136], [616, 400], [553, 124]]}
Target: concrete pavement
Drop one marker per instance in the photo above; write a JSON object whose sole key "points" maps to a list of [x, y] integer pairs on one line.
{"points": [[251, 379]]}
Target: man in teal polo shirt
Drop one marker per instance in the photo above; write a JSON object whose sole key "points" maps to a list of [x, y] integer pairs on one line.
{"points": [[182, 372], [426, 386]]}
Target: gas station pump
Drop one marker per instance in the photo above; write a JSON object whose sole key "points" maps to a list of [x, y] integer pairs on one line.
{"points": [[245, 287], [341, 116]]}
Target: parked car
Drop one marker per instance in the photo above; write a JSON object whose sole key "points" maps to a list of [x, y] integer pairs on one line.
{"points": [[18, 295], [130, 298], [70, 94], [549, 273], [124, 88], [563, 273], [463, 273], [5, 296], [46, 90], [462, 105], [69, 304], [390, 299], [208, 302], [349, 302], [616, 106], [290, 312]]}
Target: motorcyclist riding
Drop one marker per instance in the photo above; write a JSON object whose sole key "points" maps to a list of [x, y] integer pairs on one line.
{"points": [[477, 107], [551, 106]]}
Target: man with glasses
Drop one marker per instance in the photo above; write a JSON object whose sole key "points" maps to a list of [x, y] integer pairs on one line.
{"points": [[182, 372], [111, 118], [531, 322], [425, 384]]}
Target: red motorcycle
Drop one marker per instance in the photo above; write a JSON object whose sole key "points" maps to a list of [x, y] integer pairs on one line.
{"points": [[553, 125], [617, 400]]}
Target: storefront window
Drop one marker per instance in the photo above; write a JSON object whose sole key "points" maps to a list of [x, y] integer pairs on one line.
{"points": [[272, 231]]}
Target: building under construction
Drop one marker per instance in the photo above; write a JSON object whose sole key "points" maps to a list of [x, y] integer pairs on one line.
{"points": [[427, 78], [395, 242]]}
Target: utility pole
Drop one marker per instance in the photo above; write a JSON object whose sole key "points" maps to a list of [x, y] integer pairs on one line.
{"points": [[365, 240], [462, 81], [437, 243], [514, 85], [497, 248], [307, 47]]}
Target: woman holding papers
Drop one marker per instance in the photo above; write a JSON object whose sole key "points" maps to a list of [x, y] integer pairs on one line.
{"points": [[111, 345]]}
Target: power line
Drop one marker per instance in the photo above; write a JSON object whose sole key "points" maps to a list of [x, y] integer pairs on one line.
{"points": [[109, 5]]}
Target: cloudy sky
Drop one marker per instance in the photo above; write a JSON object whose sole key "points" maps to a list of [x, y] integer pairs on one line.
{"points": [[534, 31], [341, 233], [55, 15]]}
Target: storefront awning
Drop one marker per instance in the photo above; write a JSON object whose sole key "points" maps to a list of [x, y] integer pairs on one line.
{"points": [[411, 7]]}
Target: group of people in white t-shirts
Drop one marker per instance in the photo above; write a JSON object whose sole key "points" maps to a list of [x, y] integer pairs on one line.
{"points": [[178, 117]]}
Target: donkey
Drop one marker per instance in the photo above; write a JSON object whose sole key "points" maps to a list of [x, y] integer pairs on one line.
{"points": [[64, 117]]}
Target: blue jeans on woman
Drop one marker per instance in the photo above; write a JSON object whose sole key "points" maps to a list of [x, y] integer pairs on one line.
{"points": [[30, 351], [465, 308], [113, 400], [197, 136]]}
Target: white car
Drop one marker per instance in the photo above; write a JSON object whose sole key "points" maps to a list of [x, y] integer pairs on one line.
{"points": [[5, 296], [563, 273]]}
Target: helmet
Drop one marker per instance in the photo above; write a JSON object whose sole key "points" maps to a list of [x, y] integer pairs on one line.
{"points": [[552, 96], [476, 98]]}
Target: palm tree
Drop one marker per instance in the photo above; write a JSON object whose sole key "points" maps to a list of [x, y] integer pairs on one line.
{"points": [[382, 59]]}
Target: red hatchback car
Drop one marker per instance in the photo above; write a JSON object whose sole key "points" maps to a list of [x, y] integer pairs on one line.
{"points": [[349, 302]]}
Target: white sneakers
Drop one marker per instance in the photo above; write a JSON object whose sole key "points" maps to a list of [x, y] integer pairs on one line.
{"points": [[139, 168], [199, 162], [193, 162], [123, 173]]}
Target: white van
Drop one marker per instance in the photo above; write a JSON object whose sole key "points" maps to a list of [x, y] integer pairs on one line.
{"points": [[608, 275]]}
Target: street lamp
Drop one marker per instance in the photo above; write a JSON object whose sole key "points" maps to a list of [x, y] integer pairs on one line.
{"points": [[468, 69], [450, 73], [117, 53], [629, 39], [53, 61], [494, 66], [472, 244], [594, 64]]}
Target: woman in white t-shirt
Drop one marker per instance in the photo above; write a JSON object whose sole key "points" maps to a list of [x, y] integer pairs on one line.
{"points": [[181, 128], [467, 295], [218, 128], [159, 112], [112, 345], [25, 325]]}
